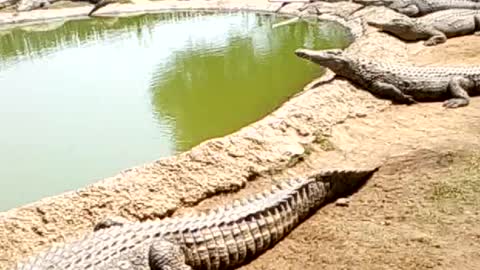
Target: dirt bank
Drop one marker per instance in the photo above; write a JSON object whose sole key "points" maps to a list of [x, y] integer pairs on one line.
{"points": [[420, 211]]}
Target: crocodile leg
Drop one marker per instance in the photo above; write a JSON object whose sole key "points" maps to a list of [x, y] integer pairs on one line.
{"points": [[458, 86], [391, 92], [476, 19], [165, 255], [436, 36], [410, 10]]}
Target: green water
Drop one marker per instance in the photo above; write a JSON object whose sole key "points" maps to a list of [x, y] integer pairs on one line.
{"points": [[83, 100]]}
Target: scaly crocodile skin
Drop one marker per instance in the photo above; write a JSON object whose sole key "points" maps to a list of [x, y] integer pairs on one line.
{"points": [[435, 27], [223, 238], [416, 8], [401, 83]]}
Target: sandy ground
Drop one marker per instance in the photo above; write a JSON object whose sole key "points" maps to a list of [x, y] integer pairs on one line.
{"points": [[420, 211]]}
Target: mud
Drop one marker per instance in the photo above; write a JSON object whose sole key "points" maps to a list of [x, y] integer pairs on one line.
{"points": [[419, 211]]}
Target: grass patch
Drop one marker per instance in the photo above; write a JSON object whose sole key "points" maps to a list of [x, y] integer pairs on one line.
{"points": [[462, 185], [323, 140]]}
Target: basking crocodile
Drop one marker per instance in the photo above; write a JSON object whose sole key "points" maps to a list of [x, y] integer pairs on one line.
{"points": [[27, 5], [401, 83], [415, 8], [434, 27], [223, 238]]}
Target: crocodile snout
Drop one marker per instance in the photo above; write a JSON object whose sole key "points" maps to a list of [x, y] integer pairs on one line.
{"points": [[300, 53], [376, 24]]}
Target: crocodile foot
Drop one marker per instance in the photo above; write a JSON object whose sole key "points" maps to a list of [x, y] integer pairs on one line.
{"points": [[434, 41], [409, 100], [455, 103], [166, 255]]}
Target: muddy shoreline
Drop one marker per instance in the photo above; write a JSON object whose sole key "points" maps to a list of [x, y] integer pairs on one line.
{"points": [[297, 138]]}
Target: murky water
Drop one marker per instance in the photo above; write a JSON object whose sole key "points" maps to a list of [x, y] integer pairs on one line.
{"points": [[83, 100]]}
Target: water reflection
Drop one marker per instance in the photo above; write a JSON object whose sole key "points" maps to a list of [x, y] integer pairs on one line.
{"points": [[220, 84], [41, 39], [82, 100]]}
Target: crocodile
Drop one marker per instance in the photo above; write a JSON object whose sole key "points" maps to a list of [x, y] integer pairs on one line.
{"points": [[222, 238], [434, 27], [417, 8], [402, 83]]}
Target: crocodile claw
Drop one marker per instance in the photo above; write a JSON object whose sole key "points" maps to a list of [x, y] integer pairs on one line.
{"points": [[409, 100], [455, 103], [435, 40]]}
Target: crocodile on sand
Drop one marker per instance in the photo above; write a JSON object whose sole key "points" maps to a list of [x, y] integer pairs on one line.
{"points": [[223, 238], [434, 27], [401, 83], [416, 8]]}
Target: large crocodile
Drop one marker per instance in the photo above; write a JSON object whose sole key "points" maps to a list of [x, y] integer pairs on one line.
{"points": [[223, 238], [415, 8], [401, 82], [434, 27]]}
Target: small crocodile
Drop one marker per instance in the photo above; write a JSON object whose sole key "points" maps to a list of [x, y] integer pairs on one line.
{"points": [[401, 83], [434, 27], [222, 238], [416, 8]]}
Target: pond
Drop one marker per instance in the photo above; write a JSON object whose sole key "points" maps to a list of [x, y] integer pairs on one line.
{"points": [[83, 100]]}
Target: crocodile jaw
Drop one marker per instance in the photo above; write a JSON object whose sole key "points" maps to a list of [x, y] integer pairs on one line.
{"points": [[333, 59]]}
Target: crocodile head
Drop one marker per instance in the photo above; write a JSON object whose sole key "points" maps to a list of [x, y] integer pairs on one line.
{"points": [[404, 28], [334, 59]]}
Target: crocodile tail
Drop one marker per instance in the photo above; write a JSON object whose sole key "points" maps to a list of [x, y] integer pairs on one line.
{"points": [[345, 182]]}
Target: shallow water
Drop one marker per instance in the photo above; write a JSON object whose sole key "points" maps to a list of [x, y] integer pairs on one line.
{"points": [[83, 100]]}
